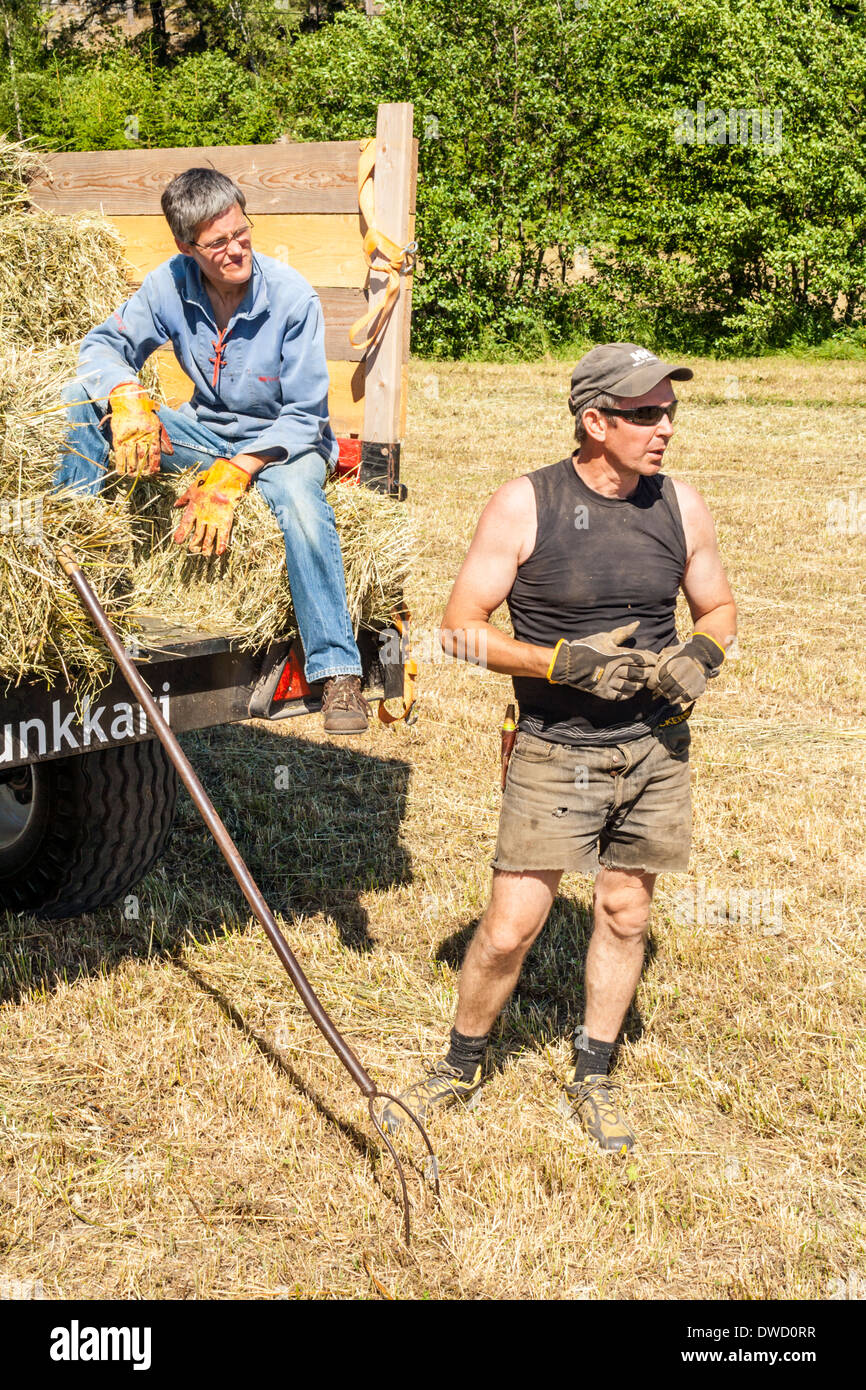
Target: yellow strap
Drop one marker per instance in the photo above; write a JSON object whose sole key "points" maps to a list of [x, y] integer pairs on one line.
{"points": [[553, 662], [410, 682], [377, 244]]}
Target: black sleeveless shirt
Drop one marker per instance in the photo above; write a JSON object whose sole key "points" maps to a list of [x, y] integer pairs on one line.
{"points": [[598, 562]]}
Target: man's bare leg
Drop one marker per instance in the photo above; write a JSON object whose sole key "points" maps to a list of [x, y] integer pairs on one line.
{"points": [[621, 914], [518, 909], [614, 961]]}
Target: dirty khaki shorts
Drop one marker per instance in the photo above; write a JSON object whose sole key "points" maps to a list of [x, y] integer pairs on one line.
{"points": [[627, 806]]}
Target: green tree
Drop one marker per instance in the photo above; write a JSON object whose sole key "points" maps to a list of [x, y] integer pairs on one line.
{"points": [[123, 100], [707, 155], [547, 126]]}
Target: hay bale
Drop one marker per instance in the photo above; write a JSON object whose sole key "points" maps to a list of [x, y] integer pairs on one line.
{"points": [[18, 164], [32, 419], [245, 593], [59, 276], [44, 631], [124, 541]]}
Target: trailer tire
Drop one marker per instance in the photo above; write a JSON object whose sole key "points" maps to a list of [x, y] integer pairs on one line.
{"points": [[79, 833]]}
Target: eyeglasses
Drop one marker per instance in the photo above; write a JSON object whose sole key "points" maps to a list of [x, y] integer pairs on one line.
{"points": [[222, 244], [644, 414]]}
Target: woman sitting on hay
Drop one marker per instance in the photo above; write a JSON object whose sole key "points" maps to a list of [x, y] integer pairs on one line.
{"points": [[248, 331]]}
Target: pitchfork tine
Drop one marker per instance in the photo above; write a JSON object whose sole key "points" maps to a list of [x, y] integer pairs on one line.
{"points": [[434, 1166]]}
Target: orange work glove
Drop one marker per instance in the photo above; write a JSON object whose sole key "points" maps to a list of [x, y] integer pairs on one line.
{"points": [[210, 507], [137, 433]]}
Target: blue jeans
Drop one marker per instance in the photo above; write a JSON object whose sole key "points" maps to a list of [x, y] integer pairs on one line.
{"points": [[292, 490]]}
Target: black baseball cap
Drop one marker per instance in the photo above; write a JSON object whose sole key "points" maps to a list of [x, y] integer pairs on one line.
{"points": [[619, 369]]}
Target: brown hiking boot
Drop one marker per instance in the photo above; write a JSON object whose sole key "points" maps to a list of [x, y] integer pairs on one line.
{"points": [[344, 707]]}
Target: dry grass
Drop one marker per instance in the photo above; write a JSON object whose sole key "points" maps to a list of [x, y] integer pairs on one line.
{"points": [[19, 162], [59, 275], [43, 631], [32, 418], [174, 1126]]}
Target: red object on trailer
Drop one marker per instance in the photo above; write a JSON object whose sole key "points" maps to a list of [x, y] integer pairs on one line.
{"points": [[348, 468], [293, 683]]}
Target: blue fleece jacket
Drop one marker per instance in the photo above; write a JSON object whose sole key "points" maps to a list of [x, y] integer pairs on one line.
{"points": [[262, 385]]}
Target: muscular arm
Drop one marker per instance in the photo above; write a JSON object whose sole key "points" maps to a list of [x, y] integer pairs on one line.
{"points": [[705, 583], [504, 537]]}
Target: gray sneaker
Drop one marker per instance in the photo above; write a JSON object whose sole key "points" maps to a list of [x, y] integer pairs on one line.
{"points": [[591, 1103], [441, 1087]]}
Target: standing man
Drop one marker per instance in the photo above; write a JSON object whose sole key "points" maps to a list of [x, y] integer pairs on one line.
{"points": [[589, 554], [248, 332]]}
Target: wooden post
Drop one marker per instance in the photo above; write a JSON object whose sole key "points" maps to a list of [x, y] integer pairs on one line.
{"points": [[394, 183]]}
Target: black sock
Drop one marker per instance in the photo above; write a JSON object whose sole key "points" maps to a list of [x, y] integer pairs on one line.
{"points": [[591, 1057], [466, 1054]]}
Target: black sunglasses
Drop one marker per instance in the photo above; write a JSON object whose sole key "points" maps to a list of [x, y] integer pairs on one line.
{"points": [[643, 414]]}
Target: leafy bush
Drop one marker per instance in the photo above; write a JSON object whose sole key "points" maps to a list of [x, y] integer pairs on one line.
{"points": [[121, 100], [547, 126]]}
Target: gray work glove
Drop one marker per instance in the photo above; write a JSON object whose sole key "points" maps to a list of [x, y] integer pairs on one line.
{"points": [[601, 666], [681, 673]]}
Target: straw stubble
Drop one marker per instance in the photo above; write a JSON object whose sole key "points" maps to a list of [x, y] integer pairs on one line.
{"points": [[160, 1075]]}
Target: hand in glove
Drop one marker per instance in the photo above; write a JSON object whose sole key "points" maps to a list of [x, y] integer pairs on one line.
{"points": [[210, 507], [601, 666], [682, 672], [137, 433]]}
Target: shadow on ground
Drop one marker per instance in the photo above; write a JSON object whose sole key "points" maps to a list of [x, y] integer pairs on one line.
{"points": [[277, 1059], [318, 825]]}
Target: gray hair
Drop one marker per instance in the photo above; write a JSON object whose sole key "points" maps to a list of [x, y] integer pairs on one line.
{"points": [[600, 402], [197, 196]]}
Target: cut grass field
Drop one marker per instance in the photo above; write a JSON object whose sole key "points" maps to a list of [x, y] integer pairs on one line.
{"points": [[172, 1125]]}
